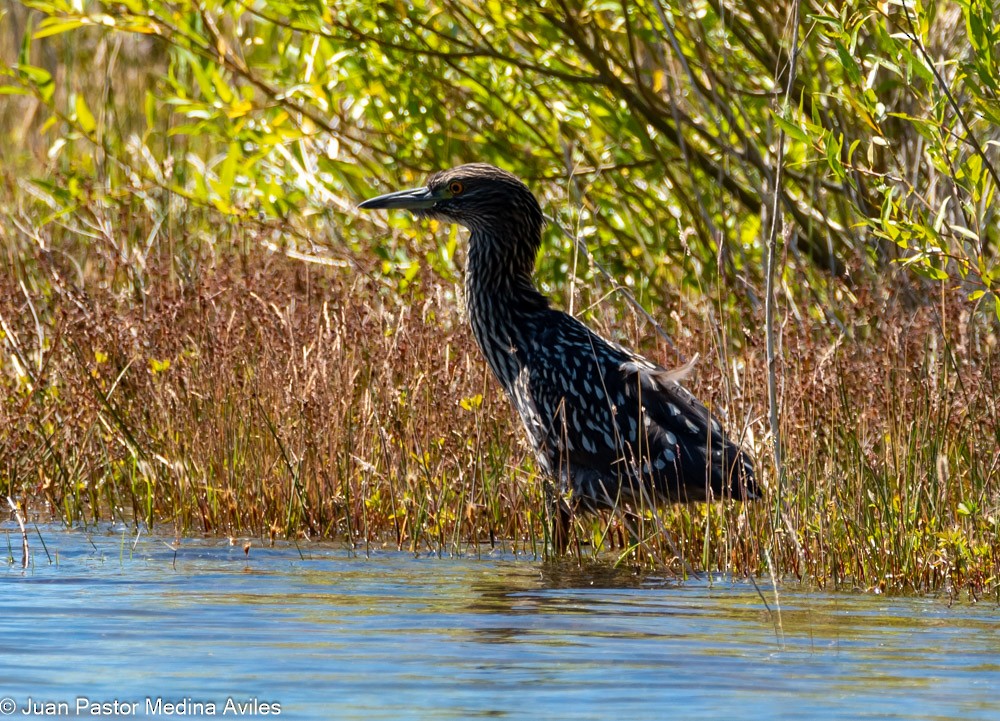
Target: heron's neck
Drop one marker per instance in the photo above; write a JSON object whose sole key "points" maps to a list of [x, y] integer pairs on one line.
{"points": [[503, 304]]}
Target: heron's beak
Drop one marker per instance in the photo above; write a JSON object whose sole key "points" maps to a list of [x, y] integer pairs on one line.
{"points": [[416, 199]]}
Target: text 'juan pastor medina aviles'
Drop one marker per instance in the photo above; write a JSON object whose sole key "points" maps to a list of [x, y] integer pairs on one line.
{"points": [[150, 706]]}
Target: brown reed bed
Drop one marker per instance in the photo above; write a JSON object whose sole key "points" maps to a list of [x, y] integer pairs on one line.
{"points": [[228, 389]]}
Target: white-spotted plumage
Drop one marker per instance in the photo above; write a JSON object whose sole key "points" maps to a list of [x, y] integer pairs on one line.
{"points": [[611, 425]]}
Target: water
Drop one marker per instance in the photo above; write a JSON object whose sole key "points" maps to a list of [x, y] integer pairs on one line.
{"points": [[331, 635]]}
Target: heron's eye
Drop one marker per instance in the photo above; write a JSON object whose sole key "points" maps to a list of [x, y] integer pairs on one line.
{"points": [[455, 187]]}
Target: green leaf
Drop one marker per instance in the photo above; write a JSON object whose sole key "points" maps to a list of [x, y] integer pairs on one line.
{"points": [[939, 220], [851, 149], [56, 25], [39, 78], [927, 270], [149, 106], [977, 34], [964, 232], [24, 53], [84, 117], [850, 65], [834, 146], [791, 129], [228, 172]]}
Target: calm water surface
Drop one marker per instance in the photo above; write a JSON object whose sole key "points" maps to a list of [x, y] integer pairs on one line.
{"points": [[327, 634]]}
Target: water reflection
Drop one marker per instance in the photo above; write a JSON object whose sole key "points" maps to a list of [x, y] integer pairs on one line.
{"points": [[330, 634]]}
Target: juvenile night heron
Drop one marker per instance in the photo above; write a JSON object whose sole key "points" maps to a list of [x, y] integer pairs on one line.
{"points": [[612, 428]]}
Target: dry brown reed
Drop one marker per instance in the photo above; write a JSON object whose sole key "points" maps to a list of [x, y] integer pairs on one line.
{"points": [[258, 394]]}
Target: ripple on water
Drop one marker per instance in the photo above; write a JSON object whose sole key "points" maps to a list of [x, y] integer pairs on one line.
{"points": [[329, 634]]}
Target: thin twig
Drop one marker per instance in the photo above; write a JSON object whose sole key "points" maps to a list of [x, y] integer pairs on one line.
{"points": [[772, 250]]}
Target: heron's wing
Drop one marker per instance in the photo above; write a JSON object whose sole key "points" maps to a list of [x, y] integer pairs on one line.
{"points": [[617, 414]]}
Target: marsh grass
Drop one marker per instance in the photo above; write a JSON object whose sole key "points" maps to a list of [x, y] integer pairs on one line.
{"points": [[266, 398], [168, 363], [233, 390]]}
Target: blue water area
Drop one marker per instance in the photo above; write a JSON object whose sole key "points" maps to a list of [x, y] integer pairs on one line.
{"points": [[104, 625]]}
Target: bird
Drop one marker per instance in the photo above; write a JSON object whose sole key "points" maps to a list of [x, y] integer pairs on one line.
{"points": [[612, 429]]}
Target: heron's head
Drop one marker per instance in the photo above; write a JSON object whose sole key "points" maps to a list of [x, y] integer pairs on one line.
{"points": [[478, 196]]}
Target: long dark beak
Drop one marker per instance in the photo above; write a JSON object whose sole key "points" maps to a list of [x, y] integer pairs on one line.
{"points": [[416, 199]]}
